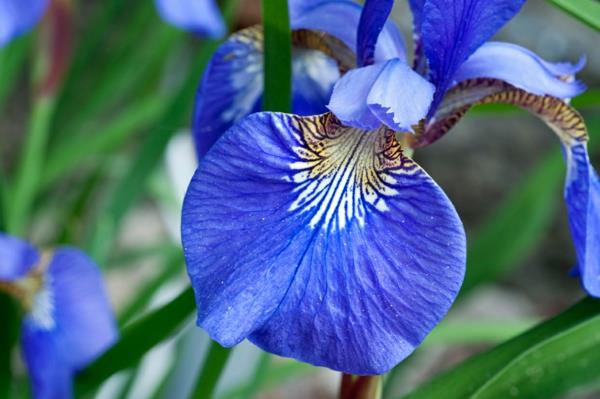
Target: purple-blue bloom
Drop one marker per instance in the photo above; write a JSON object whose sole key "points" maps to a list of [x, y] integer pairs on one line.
{"points": [[201, 17], [18, 17], [68, 321], [317, 237], [233, 81]]}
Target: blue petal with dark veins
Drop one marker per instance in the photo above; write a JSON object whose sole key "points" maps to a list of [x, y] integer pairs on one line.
{"points": [[319, 242]]}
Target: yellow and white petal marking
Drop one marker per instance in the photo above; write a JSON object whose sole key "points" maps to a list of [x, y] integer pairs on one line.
{"points": [[343, 170], [33, 293]]}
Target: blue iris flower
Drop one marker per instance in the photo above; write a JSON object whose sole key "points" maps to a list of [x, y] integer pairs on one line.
{"points": [[317, 237], [201, 17], [68, 320], [18, 17]]}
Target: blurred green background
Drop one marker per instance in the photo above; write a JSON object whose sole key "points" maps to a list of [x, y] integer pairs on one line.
{"points": [[119, 156]]}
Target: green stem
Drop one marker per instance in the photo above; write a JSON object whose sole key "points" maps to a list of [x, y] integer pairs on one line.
{"points": [[277, 56], [136, 340], [31, 164], [214, 364], [259, 377]]}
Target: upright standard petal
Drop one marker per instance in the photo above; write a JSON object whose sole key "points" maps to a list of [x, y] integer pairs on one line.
{"points": [[523, 69], [340, 18], [232, 86], [453, 29], [17, 258], [372, 20], [319, 242], [582, 195], [18, 17], [197, 16], [70, 324], [389, 93]]}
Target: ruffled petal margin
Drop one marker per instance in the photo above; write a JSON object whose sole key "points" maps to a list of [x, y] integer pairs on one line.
{"points": [[320, 242], [389, 93], [524, 69]]}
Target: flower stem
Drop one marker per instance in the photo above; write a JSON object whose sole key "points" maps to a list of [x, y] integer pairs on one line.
{"points": [[215, 363], [360, 387], [31, 164]]}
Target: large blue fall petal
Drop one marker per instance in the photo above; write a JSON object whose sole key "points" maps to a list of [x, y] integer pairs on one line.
{"points": [[17, 258], [197, 16], [18, 17], [71, 324], [523, 69], [233, 84], [582, 195], [452, 30], [319, 242], [389, 93]]}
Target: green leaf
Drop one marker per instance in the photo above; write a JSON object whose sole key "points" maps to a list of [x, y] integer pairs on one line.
{"points": [[137, 339], [173, 266], [544, 362], [587, 11], [12, 58], [277, 56], [31, 165], [213, 366], [517, 226], [73, 151]]}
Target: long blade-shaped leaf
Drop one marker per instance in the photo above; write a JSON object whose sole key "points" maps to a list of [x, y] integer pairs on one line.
{"points": [[492, 369], [587, 11]]}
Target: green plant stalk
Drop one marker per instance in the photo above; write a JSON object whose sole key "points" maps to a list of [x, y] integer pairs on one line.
{"points": [[31, 165], [211, 371], [587, 11], [173, 265], [260, 376], [137, 340], [8, 339], [71, 153], [465, 379], [11, 62], [277, 56]]}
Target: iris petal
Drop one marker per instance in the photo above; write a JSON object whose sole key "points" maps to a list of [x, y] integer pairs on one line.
{"points": [[390, 93], [400, 98], [319, 242], [233, 84], [70, 324], [372, 20], [523, 69], [453, 29], [198, 16], [582, 195], [340, 18], [582, 188], [18, 257], [18, 17]]}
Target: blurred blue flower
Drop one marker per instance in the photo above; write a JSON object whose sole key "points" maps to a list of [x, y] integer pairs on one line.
{"points": [[18, 17], [202, 17], [317, 237], [68, 321], [198, 16]]}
